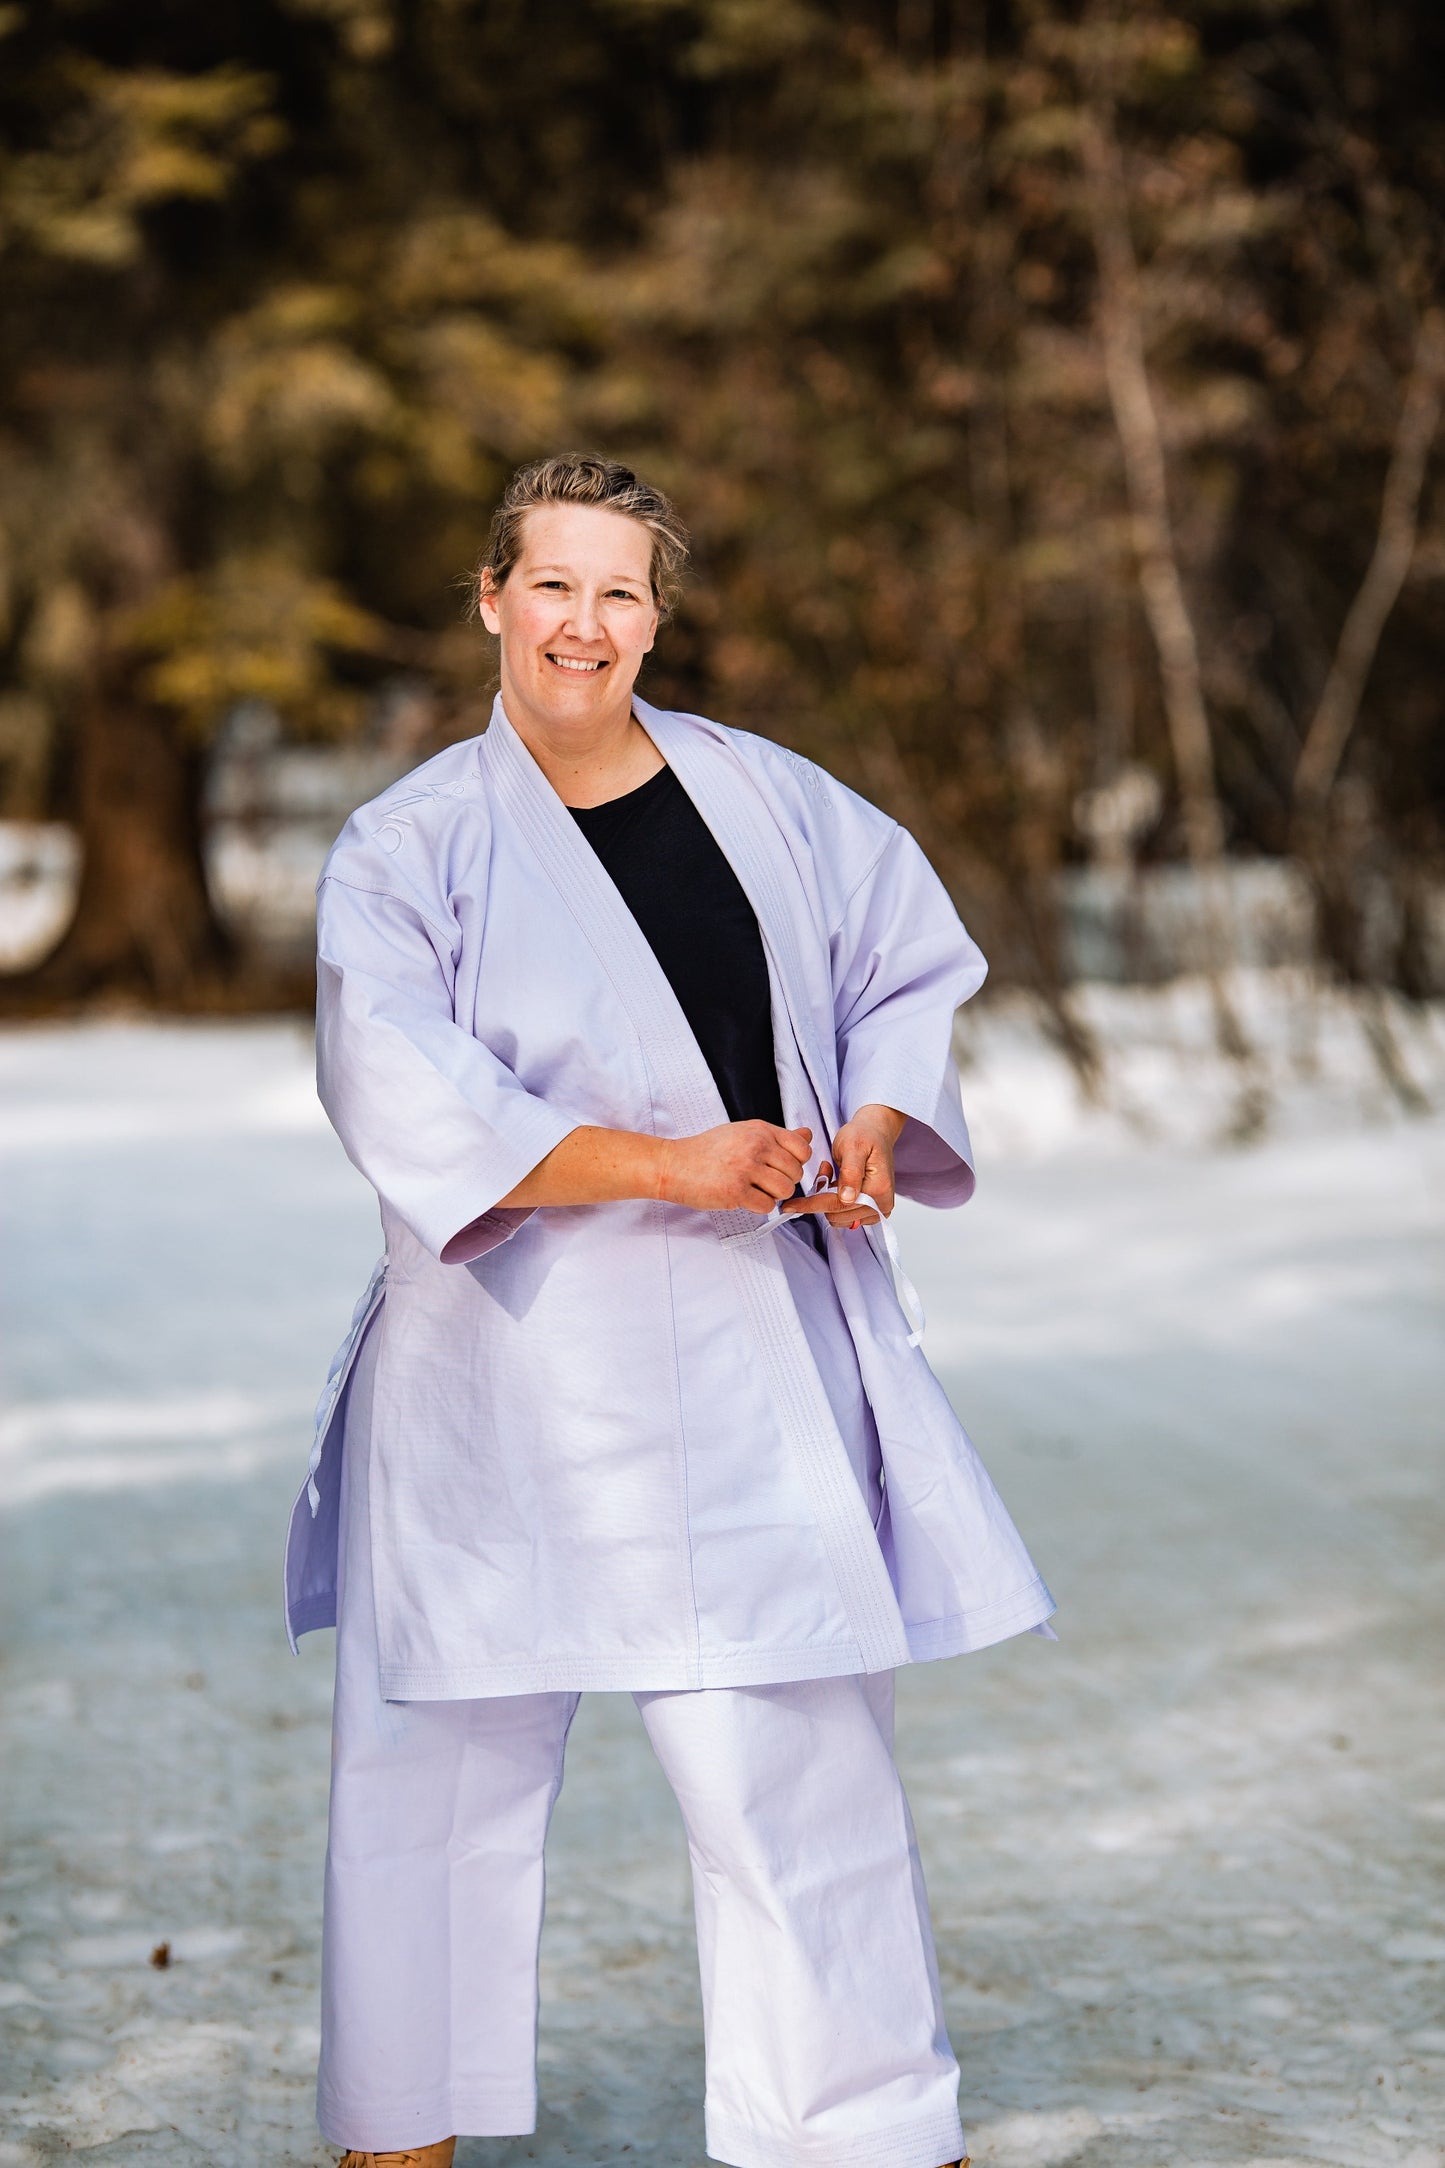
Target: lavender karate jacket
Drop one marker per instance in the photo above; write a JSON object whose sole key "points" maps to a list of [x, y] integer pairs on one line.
{"points": [[602, 1453]]}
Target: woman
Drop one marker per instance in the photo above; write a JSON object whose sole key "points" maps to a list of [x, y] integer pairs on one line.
{"points": [[636, 1024]]}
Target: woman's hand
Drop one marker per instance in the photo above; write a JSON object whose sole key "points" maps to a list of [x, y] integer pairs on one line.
{"points": [[752, 1165], [863, 1156]]}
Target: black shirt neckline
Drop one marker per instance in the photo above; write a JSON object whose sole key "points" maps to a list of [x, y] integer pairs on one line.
{"points": [[694, 913], [625, 797]]}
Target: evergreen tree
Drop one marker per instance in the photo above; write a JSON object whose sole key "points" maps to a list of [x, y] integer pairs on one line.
{"points": [[1052, 387]]}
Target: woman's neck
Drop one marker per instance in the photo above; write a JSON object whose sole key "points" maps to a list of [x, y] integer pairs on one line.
{"points": [[587, 760]]}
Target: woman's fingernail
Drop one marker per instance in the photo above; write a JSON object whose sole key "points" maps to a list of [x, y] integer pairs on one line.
{"points": [[848, 1195]]}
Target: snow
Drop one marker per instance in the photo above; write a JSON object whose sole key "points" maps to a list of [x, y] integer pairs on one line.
{"points": [[1180, 1862], [39, 881]]}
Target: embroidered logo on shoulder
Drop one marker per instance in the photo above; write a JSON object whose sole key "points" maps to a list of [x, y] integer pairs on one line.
{"points": [[390, 832], [810, 775]]}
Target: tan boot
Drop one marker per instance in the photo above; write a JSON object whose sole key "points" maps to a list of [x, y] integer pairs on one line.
{"points": [[417, 2156]]}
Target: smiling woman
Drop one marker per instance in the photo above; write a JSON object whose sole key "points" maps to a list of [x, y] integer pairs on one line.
{"points": [[636, 1023], [604, 485], [584, 562]]}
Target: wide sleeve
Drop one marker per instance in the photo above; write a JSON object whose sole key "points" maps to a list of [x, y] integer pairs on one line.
{"points": [[902, 964], [440, 1127]]}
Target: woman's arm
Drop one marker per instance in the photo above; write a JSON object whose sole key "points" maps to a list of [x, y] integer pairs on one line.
{"points": [[752, 1165]]}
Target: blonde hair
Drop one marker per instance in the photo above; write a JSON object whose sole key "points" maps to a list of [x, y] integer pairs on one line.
{"points": [[582, 478]]}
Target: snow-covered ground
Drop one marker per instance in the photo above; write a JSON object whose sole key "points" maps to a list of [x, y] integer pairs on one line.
{"points": [[1181, 1863]]}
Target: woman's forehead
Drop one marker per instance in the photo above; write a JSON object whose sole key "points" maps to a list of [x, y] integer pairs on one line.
{"points": [[564, 536]]}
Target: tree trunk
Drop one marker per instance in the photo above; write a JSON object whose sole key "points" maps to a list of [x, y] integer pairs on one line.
{"points": [[1136, 422], [1379, 590], [144, 927]]}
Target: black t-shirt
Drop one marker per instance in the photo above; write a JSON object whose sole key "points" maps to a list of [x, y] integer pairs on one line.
{"points": [[673, 877]]}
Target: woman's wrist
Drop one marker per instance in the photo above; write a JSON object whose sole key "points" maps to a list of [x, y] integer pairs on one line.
{"points": [[662, 1158], [886, 1120]]}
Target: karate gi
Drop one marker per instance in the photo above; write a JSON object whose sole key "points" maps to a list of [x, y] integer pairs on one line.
{"points": [[822, 2016], [634, 1446]]}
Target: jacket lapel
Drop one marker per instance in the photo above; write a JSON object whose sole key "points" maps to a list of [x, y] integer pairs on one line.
{"points": [[746, 827], [687, 1098]]}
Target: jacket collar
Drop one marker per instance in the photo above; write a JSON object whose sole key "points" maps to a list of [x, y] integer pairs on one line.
{"points": [[746, 825]]}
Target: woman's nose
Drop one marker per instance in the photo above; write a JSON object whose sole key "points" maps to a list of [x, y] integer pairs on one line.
{"points": [[584, 621]]}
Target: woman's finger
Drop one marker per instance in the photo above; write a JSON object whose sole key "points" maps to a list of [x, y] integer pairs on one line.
{"points": [[778, 1152], [852, 1164], [850, 1216], [797, 1143]]}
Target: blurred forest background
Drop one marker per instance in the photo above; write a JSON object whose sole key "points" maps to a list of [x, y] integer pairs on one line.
{"points": [[1052, 389]]}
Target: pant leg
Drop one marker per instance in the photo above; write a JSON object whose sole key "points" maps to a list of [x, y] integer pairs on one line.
{"points": [[434, 1882], [826, 2044]]}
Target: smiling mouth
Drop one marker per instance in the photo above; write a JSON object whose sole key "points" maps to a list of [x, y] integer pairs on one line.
{"points": [[575, 663]]}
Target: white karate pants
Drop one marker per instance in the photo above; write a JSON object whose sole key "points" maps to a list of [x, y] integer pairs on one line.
{"points": [[823, 2022]]}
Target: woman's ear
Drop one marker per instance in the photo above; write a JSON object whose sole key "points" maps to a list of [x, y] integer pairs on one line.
{"points": [[487, 594]]}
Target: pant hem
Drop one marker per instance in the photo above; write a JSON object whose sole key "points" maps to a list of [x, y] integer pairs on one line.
{"points": [[371, 2127], [908, 2145]]}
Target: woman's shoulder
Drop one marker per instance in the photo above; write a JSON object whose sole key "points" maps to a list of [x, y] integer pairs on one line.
{"points": [[405, 838], [796, 786]]}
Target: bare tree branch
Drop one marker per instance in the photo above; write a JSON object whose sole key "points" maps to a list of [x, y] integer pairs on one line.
{"points": [[1339, 704], [1136, 421]]}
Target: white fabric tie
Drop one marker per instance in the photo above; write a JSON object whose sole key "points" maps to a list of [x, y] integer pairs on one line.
{"points": [[910, 1302]]}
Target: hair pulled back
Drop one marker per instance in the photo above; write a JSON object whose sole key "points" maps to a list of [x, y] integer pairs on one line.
{"points": [[582, 478]]}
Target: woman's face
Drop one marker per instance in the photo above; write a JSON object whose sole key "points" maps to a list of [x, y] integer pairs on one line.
{"points": [[576, 615]]}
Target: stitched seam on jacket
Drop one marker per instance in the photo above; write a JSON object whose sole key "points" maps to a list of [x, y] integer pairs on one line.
{"points": [[391, 895], [868, 871]]}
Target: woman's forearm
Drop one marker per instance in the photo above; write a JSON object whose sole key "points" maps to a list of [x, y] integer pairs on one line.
{"points": [[749, 1165], [593, 1166], [888, 1119]]}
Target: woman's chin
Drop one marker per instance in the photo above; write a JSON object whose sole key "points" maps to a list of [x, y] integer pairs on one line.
{"points": [[570, 695]]}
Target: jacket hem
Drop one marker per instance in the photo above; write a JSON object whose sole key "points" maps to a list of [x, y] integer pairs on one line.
{"points": [[923, 2143], [308, 1614], [928, 1642], [969, 1630], [579, 1674]]}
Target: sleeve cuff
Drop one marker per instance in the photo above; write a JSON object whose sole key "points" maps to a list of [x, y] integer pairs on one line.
{"points": [[469, 1233], [933, 1159]]}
